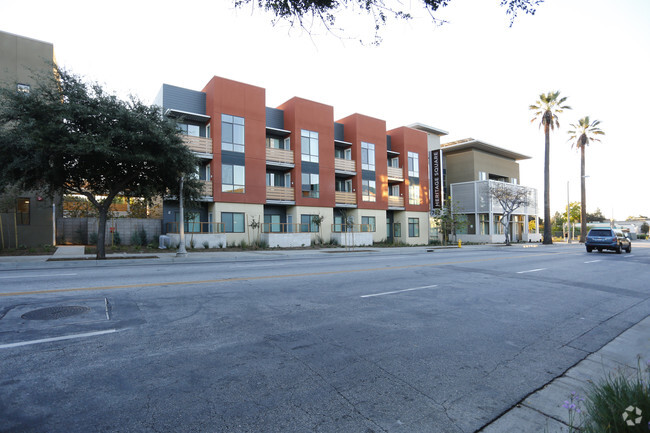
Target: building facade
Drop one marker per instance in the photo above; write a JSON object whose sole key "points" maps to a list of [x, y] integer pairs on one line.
{"points": [[292, 175], [27, 218], [470, 167]]}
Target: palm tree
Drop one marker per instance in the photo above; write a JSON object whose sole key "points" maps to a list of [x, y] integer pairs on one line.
{"points": [[546, 109], [582, 133]]}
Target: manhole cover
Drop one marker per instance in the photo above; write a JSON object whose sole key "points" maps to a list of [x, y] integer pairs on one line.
{"points": [[53, 313]]}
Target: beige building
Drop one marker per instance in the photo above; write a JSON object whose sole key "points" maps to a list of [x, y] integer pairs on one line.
{"points": [[26, 218], [469, 167]]}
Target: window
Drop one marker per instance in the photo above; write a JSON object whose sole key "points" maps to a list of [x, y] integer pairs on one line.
{"points": [[393, 190], [368, 190], [343, 154], [394, 162], [233, 178], [233, 222], [367, 156], [368, 221], [307, 224], [482, 175], [414, 164], [309, 145], [192, 221], [22, 211], [414, 191], [484, 223], [414, 227], [343, 185], [397, 230], [232, 133], [273, 223], [273, 143], [310, 185], [23, 88]]}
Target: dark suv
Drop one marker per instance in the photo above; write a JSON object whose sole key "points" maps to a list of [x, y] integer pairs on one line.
{"points": [[607, 239]]}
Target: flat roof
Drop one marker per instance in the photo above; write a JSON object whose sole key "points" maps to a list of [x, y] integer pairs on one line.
{"points": [[428, 129], [471, 143]]}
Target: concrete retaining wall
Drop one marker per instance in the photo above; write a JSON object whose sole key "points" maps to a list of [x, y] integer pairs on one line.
{"points": [[353, 239], [287, 240], [214, 240], [79, 230]]}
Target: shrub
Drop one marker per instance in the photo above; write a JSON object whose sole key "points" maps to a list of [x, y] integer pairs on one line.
{"points": [[139, 237], [116, 238], [206, 244], [610, 399], [92, 238], [243, 245]]}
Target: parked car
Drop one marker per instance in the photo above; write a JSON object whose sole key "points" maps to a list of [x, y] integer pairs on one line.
{"points": [[607, 239]]}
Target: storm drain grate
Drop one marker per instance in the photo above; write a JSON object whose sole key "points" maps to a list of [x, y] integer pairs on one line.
{"points": [[53, 313]]}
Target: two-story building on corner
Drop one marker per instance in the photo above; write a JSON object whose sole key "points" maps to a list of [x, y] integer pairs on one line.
{"points": [[274, 172], [469, 167]]}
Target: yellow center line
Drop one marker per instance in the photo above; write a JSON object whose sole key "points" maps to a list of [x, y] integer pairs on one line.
{"points": [[268, 277]]}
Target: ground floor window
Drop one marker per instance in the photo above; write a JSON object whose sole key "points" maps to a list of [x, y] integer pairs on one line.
{"points": [[22, 211], [233, 222], [307, 224], [484, 224], [414, 227], [192, 221], [368, 221], [397, 230]]}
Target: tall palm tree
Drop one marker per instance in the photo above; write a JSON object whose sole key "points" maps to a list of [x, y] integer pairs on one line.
{"points": [[546, 109], [582, 133]]}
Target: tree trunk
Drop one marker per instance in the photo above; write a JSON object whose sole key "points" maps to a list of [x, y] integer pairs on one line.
{"points": [[506, 226], [101, 233], [583, 197], [548, 234]]}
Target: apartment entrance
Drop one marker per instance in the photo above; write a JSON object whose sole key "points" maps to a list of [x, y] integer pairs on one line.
{"points": [[390, 221]]}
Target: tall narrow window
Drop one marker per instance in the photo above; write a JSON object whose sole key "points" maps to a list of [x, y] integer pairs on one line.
{"points": [[232, 133], [367, 156], [414, 164], [22, 211], [310, 185], [414, 227], [414, 191], [233, 178], [309, 145], [368, 190]]}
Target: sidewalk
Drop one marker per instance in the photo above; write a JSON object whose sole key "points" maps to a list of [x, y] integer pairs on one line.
{"points": [[542, 410]]}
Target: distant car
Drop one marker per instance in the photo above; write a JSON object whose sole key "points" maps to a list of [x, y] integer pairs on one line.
{"points": [[607, 239]]}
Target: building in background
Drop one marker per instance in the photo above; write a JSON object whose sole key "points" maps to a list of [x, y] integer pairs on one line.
{"points": [[26, 217], [287, 167], [469, 167]]}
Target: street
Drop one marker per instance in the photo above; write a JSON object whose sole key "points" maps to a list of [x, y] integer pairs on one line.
{"points": [[390, 340]]}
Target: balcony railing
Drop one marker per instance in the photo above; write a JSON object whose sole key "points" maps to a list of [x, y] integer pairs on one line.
{"points": [[198, 144], [279, 155], [394, 201], [351, 228], [344, 164], [196, 227], [279, 193], [206, 188], [287, 228], [345, 197], [395, 173]]}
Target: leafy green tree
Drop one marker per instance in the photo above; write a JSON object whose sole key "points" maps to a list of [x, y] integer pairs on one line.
{"points": [[645, 228], [582, 133], [301, 12], [69, 136], [546, 109], [596, 217]]}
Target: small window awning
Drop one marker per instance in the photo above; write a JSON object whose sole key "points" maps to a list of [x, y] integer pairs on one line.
{"points": [[186, 115]]}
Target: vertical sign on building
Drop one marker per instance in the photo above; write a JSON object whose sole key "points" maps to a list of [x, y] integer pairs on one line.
{"points": [[436, 179]]}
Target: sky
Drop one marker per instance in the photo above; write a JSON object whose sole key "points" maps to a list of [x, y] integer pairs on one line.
{"points": [[474, 76]]}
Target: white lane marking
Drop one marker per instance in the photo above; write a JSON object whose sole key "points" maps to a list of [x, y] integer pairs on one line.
{"points": [[532, 270], [592, 261], [398, 291], [65, 337], [37, 276]]}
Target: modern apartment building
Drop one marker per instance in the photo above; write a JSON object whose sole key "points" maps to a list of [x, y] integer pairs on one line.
{"points": [[287, 167], [26, 217], [469, 167]]}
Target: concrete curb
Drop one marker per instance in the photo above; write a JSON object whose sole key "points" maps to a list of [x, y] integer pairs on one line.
{"points": [[542, 410]]}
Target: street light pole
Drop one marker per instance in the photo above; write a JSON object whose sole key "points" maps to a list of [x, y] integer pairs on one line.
{"points": [[568, 213], [182, 252]]}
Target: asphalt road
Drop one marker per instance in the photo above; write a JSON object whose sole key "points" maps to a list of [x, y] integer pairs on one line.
{"points": [[385, 341]]}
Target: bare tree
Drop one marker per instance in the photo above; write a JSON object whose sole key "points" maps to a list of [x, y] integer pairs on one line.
{"points": [[510, 197]]}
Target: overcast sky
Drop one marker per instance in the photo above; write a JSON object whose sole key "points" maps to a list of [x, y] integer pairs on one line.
{"points": [[474, 76]]}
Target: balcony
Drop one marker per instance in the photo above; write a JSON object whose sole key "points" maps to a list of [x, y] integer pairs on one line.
{"points": [[279, 157], [279, 193], [348, 198], [394, 201], [199, 144], [345, 166], [395, 174]]}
